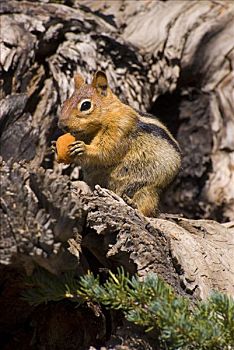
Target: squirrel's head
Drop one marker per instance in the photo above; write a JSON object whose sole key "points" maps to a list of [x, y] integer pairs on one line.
{"points": [[85, 111]]}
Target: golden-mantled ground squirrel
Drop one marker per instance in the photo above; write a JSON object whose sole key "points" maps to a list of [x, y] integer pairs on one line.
{"points": [[119, 148]]}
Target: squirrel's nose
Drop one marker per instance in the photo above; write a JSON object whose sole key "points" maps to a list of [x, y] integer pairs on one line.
{"points": [[62, 126]]}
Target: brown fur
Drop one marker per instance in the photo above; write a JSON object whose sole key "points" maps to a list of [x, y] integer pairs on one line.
{"points": [[118, 148]]}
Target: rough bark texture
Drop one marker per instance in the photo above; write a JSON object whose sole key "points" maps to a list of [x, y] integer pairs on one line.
{"points": [[172, 58]]}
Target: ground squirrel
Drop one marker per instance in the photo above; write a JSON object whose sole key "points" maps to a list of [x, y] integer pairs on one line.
{"points": [[119, 148]]}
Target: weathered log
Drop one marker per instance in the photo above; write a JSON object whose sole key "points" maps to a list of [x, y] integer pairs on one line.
{"points": [[194, 256], [61, 225]]}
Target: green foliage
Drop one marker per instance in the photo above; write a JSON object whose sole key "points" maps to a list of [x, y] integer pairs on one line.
{"points": [[44, 287], [150, 303]]}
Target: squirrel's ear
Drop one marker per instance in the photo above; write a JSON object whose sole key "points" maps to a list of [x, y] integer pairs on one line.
{"points": [[100, 83], [79, 81]]}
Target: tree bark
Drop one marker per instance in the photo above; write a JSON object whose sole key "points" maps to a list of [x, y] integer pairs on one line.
{"points": [[173, 59]]}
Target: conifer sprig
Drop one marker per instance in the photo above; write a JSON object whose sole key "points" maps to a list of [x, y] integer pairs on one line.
{"points": [[150, 303]]}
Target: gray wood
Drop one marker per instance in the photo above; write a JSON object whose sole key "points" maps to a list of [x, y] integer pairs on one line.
{"points": [[42, 211]]}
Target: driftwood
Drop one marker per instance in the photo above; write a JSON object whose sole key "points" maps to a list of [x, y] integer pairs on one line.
{"points": [[194, 256], [173, 59], [61, 226]]}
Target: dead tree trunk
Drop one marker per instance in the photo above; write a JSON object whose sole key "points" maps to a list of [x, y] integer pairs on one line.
{"points": [[174, 59]]}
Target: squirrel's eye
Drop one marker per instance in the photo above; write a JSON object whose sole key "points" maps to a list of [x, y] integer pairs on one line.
{"points": [[85, 106]]}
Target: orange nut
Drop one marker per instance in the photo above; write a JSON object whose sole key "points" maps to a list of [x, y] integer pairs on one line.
{"points": [[62, 144]]}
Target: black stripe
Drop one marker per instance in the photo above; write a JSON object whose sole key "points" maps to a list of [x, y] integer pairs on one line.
{"points": [[157, 131]]}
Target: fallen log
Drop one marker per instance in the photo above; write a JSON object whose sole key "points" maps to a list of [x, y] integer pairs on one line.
{"points": [[193, 256]]}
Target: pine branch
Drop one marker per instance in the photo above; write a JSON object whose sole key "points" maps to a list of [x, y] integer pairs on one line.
{"points": [[150, 303], [44, 287]]}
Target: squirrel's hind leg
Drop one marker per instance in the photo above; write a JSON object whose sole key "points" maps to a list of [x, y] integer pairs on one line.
{"points": [[147, 200]]}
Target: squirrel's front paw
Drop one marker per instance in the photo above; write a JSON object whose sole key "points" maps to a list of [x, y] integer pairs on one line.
{"points": [[77, 148]]}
